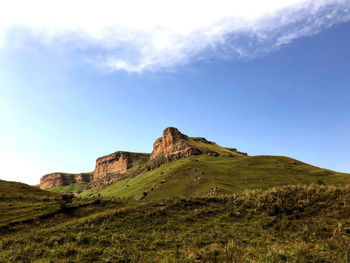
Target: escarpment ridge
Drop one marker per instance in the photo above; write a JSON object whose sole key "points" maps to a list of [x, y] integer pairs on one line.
{"points": [[63, 179], [117, 163], [173, 145]]}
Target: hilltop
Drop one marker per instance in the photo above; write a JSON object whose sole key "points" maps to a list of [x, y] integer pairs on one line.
{"points": [[183, 166]]}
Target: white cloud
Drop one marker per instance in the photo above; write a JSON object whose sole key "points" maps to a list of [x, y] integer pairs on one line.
{"points": [[137, 36]]}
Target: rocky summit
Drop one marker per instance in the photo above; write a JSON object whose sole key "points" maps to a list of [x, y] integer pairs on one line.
{"points": [[173, 145]]}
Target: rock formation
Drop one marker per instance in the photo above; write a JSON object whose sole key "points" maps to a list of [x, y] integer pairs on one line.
{"points": [[173, 145], [117, 166], [236, 151], [116, 163], [61, 179]]}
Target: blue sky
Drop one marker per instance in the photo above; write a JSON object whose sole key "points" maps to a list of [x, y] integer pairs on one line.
{"points": [[273, 86]]}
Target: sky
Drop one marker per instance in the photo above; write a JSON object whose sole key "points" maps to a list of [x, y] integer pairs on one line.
{"points": [[82, 79]]}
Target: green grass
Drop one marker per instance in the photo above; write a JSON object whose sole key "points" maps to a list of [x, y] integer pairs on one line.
{"points": [[72, 188], [198, 175], [282, 224], [13, 190], [20, 202], [263, 209], [208, 147]]}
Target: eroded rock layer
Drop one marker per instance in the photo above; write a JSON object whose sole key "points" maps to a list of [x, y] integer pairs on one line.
{"points": [[116, 163], [173, 145], [62, 179]]}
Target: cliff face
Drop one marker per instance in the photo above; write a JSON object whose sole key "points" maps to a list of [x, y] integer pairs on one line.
{"points": [[116, 163], [51, 180], [173, 145], [61, 179]]}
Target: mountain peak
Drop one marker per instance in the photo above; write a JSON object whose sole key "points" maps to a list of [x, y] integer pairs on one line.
{"points": [[173, 145]]}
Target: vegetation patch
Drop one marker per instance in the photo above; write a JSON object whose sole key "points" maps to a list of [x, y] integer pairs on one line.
{"points": [[72, 188]]}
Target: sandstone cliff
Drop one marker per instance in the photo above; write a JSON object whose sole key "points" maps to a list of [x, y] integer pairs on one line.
{"points": [[117, 163], [173, 145], [62, 179]]}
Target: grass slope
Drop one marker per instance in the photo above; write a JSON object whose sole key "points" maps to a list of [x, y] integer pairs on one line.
{"points": [[283, 224], [210, 147], [20, 202], [198, 175], [72, 188]]}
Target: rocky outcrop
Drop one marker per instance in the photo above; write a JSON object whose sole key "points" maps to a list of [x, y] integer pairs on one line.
{"points": [[83, 178], [110, 179], [51, 180], [62, 179], [117, 166], [105, 180], [116, 163], [236, 151], [140, 196], [173, 145]]}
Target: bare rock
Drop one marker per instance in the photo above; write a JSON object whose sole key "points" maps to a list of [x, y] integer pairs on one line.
{"points": [[62, 179], [118, 162], [173, 145], [83, 178], [140, 196], [213, 153]]}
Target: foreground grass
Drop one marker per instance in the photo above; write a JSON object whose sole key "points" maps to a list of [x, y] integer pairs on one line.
{"points": [[282, 224]]}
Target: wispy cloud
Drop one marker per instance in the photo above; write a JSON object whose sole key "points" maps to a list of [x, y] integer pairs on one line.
{"points": [[137, 36]]}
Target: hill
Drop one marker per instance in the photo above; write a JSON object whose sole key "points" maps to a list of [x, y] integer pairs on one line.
{"points": [[190, 200], [185, 166], [204, 175]]}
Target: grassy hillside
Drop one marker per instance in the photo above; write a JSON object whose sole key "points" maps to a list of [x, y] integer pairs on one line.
{"points": [[72, 188], [206, 147], [283, 224], [205, 175], [20, 202], [15, 190]]}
